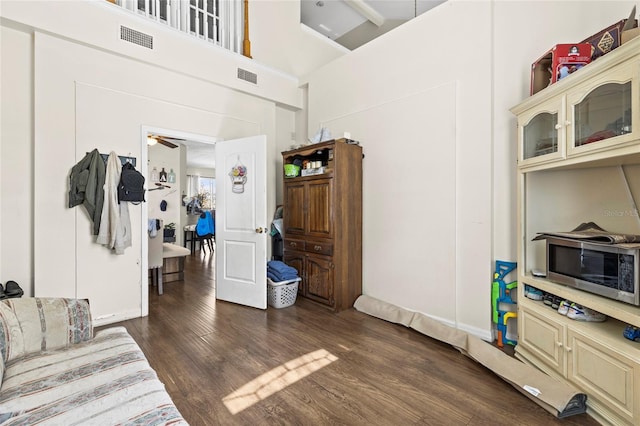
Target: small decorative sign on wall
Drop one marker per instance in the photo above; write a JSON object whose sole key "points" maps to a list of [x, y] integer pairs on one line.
{"points": [[238, 175]]}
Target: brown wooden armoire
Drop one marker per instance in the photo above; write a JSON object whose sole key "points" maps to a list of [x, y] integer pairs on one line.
{"points": [[323, 221]]}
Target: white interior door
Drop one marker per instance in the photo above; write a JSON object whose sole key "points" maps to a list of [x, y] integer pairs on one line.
{"points": [[241, 221]]}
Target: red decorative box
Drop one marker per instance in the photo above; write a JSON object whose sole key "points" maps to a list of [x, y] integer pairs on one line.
{"points": [[557, 63]]}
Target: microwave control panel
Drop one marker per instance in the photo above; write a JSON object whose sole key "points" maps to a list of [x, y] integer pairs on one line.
{"points": [[626, 273]]}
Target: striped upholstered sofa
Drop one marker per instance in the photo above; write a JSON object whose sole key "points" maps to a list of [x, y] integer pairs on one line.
{"points": [[54, 371]]}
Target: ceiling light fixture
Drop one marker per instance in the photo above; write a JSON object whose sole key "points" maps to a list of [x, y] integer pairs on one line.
{"points": [[151, 141]]}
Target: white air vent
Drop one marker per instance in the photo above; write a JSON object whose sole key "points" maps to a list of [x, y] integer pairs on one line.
{"points": [[247, 76], [136, 37]]}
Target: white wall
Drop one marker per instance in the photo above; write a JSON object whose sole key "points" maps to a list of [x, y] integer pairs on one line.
{"points": [[279, 40], [515, 51], [285, 138], [160, 157], [97, 23], [16, 154], [439, 198], [400, 79], [114, 98], [424, 121], [76, 97]]}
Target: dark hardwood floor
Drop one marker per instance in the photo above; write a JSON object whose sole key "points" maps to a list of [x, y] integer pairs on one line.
{"points": [[225, 364]]}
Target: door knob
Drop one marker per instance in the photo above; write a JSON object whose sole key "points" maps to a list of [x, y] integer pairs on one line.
{"points": [[259, 230]]}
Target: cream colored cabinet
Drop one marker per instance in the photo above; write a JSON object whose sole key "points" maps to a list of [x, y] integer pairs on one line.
{"points": [[608, 373], [588, 112], [579, 161], [593, 358], [543, 338]]}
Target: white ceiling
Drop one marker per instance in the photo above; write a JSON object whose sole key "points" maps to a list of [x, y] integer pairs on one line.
{"points": [[199, 154], [355, 22]]}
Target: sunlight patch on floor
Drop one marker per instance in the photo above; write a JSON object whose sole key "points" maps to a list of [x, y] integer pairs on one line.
{"points": [[277, 379]]}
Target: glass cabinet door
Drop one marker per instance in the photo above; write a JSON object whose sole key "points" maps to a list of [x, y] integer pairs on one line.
{"points": [[603, 114], [540, 136]]}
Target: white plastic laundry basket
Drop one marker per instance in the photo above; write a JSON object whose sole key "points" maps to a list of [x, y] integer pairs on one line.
{"points": [[282, 293]]}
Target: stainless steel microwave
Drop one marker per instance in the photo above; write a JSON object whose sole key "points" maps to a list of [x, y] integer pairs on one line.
{"points": [[608, 270]]}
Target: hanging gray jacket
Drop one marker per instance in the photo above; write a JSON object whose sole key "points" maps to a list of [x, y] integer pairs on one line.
{"points": [[86, 186]]}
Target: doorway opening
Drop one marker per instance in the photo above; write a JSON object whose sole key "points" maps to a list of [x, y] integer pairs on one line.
{"points": [[168, 157]]}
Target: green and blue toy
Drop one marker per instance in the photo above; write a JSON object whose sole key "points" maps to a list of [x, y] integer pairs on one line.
{"points": [[501, 298]]}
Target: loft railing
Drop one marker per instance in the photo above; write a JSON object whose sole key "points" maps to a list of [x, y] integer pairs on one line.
{"points": [[221, 22]]}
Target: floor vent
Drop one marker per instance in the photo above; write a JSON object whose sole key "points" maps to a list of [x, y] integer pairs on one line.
{"points": [[136, 37], [247, 76]]}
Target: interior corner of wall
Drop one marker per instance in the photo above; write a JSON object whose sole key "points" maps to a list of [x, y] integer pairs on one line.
{"points": [[484, 334]]}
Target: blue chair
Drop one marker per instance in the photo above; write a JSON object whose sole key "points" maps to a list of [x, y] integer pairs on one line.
{"points": [[206, 230]]}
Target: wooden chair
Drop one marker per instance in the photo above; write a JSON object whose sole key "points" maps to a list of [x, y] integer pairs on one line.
{"points": [[155, 259]]}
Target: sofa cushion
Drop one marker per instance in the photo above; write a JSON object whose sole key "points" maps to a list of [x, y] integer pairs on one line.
{"points": [[51, 323], [103, 381], [11, 341]]}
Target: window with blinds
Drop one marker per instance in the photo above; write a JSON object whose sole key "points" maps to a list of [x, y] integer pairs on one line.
{"points": [[216, 21]]}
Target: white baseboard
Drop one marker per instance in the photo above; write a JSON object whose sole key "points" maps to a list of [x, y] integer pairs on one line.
{"points": [[117, 317], [486, 335]]}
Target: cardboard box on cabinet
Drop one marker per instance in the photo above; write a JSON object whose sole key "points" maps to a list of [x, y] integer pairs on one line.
{"points": [[606, 40], [630, 34], [557, 63], [630, 29]]}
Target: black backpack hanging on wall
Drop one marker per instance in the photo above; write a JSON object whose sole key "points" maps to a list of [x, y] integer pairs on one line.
{"points": [[131, 187]]}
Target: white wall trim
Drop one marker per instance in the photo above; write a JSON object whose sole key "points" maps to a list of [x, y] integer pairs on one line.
{"points": [[475, 331], [113, 318]]}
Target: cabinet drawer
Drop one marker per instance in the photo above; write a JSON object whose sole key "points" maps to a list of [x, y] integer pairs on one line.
{"points": [[318, 247], [293, 244]]}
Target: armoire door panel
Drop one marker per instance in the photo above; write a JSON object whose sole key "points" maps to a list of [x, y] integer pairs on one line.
{"points": [[294, 213], [319, 279], [295, 259], [319, 208]]}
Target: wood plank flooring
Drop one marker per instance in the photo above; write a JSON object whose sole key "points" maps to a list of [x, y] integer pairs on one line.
{"points": [[358, 370]]}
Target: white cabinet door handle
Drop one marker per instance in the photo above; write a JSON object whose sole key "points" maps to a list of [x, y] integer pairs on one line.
{"points": [[558, 126]]}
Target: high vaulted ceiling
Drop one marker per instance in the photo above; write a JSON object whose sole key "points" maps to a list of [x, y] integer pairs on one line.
{"points": [[353, 23]]}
